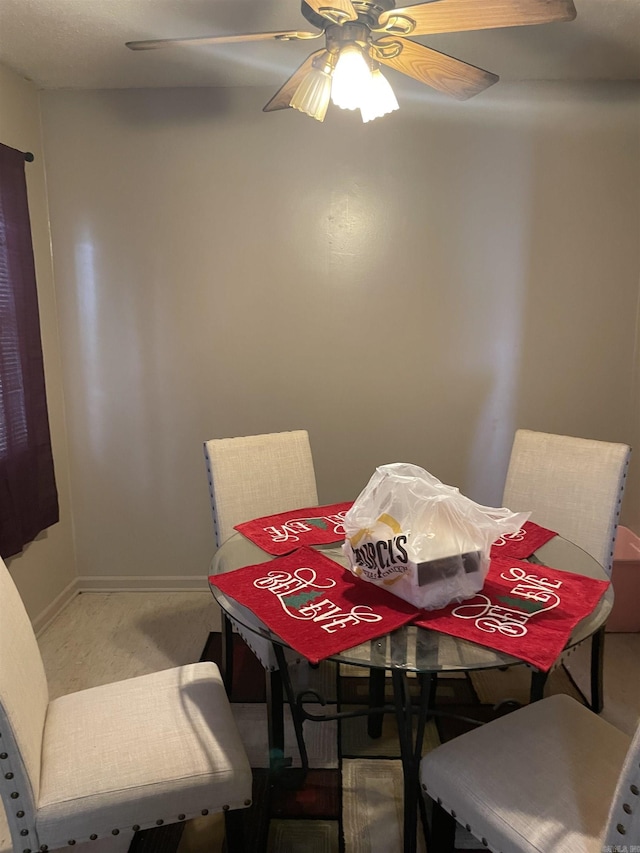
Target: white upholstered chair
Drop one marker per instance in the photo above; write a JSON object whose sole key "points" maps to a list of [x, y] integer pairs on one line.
{"points": [[159, 748], [249, 477], [551, 777], [575, 487]]}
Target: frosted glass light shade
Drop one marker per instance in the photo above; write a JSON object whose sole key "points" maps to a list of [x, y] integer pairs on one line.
{"points": [[313, 93], [351, 79], [379, 99]]}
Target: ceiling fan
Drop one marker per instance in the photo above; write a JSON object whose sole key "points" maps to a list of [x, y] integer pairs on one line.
{"points": [[360, 35]]}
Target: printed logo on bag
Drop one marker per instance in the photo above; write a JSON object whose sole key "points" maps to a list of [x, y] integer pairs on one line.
{"points": [[384, 559], [509, 614], [302, 598], [291, 530]]}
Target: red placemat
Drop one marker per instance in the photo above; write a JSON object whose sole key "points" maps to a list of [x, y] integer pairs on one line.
{"points": [[525, 610], [282, 533], [523, 542], [315, 605]]}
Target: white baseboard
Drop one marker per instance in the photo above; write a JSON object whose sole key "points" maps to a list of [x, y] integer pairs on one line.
{"points": [[143, 583], [115, 583], [59, 603]]}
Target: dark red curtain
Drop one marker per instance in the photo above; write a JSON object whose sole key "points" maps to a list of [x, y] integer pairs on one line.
{"points": [[28, 495]]}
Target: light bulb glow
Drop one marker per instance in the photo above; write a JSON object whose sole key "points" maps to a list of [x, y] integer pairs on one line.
{"points": [[380, 98], [351, 79], [313, 93]]}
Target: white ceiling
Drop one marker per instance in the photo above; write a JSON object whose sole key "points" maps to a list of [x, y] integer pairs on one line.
{"points": [[81, 43]]}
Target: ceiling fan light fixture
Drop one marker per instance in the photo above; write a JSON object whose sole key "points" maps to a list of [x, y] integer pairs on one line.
{"points": [[380, 98], [360, 32], [313, 94], [351, 78]]}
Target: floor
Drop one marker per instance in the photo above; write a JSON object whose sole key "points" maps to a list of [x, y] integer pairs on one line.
{"points": [[102, 637]]}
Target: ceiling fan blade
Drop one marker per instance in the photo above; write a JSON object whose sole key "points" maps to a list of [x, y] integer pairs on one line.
{"points": [[453, 16], [280, 100], [336, 11], [445, 73], [283, 35]]}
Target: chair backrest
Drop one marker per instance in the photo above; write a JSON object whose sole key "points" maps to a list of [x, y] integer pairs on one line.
{"points": [[623, 826], [571, 485], [258, 475], [24, 698]]}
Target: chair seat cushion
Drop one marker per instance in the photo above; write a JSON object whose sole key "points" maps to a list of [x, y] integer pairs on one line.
{"points": [[140, 751], [526, 783]]}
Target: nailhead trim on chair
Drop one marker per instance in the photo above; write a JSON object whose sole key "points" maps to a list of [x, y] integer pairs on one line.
{"points": [[452, 812], [136, 827], [210, 479], [94, 836], [14, 795]]}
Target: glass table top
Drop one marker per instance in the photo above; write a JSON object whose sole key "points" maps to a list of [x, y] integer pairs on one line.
{"points": [[410, 648]]}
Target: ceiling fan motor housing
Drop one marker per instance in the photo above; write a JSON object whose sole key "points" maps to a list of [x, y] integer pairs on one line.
{"points": [[350, 33], [368, 13]]}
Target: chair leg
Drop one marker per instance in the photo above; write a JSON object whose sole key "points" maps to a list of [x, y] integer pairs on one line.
{"points": [[433, 689], [275, 719], [376, 700], [234, 822], [226, 639], [443, 830], [597, 671], [538, 681]]}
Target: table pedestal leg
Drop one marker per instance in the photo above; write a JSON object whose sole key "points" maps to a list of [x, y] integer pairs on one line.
{"points": [[297, 778], [410, 749], [377, 677]]}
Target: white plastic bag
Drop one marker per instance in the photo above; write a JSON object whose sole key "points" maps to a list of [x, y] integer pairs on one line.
{"points": [[421, 539]]}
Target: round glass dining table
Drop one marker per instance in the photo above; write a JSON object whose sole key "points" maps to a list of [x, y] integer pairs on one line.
{"points": [[409, 650]]}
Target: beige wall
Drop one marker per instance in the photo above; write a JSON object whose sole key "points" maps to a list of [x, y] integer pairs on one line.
{"points": [[410, 290], [631, 507], [46, 568]]}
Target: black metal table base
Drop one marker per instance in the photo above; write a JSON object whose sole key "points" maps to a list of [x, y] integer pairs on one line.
{"points": [[411, 750], [410, 740]]}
